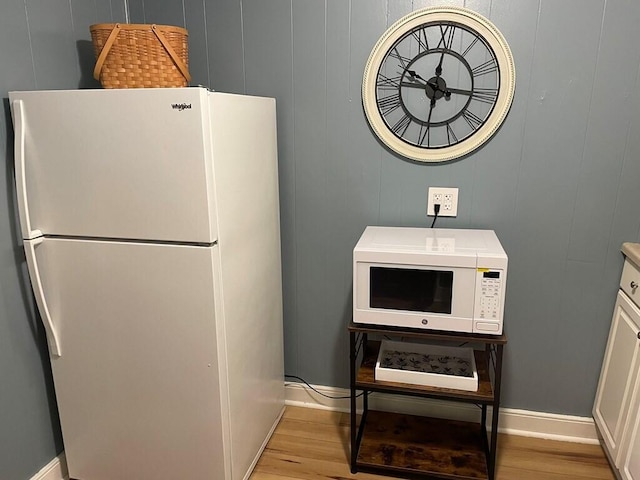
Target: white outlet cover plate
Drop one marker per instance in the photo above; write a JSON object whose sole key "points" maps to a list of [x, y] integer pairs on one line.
{"points": [[448, 208]]}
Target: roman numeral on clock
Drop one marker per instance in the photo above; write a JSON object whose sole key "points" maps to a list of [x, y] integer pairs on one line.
{"points": [[386, 105], [420, 36], [404, 61], [401, 125], [484, 68], [388, 83], [447, 35], [472, 119], [485, 95], [475, 40], [423, 135], [451, 135]]}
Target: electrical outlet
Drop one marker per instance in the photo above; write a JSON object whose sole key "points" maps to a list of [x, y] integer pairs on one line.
{"points": [[447, 198]]}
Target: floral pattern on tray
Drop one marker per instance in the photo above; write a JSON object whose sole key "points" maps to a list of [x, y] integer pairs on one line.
{"points": [[419, 362]]}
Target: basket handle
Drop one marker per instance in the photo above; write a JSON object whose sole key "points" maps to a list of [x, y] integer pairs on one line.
{"points": [[179, 63], [105, 51]]}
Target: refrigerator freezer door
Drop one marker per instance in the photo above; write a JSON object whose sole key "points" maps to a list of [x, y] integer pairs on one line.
{"points": [[125, 164], [137, 384]]}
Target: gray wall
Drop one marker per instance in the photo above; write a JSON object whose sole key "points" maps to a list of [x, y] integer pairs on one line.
{"points": [[44, 44], [558, 182]]}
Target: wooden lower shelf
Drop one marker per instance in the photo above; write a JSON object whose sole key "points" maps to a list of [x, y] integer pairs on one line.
{"points": [[422, 446]]}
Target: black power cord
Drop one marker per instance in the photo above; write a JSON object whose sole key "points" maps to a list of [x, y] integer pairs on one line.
{"points": [[436, 210], [320, 393]]}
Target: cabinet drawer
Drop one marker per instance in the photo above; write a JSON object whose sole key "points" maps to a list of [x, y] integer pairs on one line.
{"points": [[630, 281]]}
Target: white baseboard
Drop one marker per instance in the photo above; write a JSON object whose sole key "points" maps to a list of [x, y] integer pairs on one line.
{"points": [[56, 469], [565, 428]]}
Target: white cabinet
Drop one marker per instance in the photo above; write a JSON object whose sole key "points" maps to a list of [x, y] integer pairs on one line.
{"points": [[629, 462], [617, 407], [619, 374]]}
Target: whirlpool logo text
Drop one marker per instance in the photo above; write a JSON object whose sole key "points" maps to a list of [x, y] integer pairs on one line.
{"points": [[180, 106]]}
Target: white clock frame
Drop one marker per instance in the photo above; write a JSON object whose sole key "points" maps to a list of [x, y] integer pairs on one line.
{"points": [[507, 80]]}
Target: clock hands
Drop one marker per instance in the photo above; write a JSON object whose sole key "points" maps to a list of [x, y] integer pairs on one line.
{"points": [[415, 77], [436, 88], [416, 83], [459, 91], [413, 85], [432, 104], [439, 67]]}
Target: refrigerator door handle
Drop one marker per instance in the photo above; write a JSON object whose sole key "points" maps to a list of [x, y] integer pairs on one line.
{"points": [[20, 165], [36, 283]]}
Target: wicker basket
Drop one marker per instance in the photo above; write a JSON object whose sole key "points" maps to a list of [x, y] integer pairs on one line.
{"points": [[140, 55]]}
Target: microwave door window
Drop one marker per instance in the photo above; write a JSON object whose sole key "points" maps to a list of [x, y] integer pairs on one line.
{"points": [[409, 289]]}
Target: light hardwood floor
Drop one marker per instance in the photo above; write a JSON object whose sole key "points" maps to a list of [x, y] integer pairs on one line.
{"points": [[314, 444]]}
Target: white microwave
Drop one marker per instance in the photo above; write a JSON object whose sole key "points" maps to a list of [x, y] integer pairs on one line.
{"points": [[430, 278]]}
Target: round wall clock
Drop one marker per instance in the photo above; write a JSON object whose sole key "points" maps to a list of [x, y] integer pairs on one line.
{"points": [[438, 84]]}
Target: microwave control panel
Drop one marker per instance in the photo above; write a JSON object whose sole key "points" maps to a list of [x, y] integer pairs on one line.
{"points": [[490, 295]]}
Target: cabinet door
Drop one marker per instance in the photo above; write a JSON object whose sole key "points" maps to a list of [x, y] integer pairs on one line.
{"points": [[629, 456], [618, 376], [629, 464]]}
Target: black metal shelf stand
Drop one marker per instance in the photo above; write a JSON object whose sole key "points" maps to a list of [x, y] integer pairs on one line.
{"points": [[416, 446]]}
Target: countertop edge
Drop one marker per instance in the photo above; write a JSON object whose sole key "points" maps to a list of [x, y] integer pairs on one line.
{"points": [[632, 252]]}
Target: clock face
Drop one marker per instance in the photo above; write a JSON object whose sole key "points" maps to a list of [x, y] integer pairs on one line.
{"points": [[438, 84]]}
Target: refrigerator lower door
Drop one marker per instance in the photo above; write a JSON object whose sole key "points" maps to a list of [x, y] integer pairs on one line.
{"points": [[138, 379]]}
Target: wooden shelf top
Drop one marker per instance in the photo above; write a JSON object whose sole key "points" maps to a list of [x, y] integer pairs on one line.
{"points": [[427, 334]]}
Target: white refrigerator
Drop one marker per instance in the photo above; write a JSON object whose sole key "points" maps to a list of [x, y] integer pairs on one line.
{"points": [[151, 230]]}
